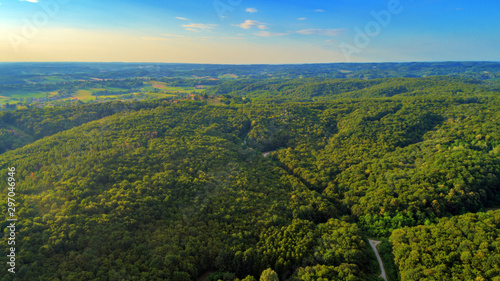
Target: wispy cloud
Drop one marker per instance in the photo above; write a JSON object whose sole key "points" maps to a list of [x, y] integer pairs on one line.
{"points": [[196, 27], [149, 38], [173, 35], [323, 32], [319, 10], [326, 32], [31, 1], [251, 10], [251, 23], [181, 18], [166, 37], [269, 34], [301, 18]]}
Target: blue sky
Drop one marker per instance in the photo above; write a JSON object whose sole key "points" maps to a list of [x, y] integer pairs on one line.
{"points": [[244, 31]]}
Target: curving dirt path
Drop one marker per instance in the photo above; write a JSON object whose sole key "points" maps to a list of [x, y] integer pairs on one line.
{"points": [[374, 244], [265, 154]]}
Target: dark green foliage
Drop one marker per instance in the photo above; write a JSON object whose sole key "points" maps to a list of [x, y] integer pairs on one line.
{"points": [[463, 247], [322, 89], [386, 253], [21, 127], [156, 191], [224, 276]]}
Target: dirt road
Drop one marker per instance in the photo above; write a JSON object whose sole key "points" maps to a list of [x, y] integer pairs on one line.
{"points": [[374, 244]]}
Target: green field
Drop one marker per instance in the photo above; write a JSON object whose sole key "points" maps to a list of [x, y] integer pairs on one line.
{"points": [[9, 97], [228, 76], [162, 86], [84, 95], [151, 89]]}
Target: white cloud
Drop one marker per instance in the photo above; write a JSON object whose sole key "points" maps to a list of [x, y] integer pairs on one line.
{"points": [[269, 34], [326, 32], [196, 27], [32, 1], [251, 10], [319, 10], [251, 23], [181, 18], [301, 18]]}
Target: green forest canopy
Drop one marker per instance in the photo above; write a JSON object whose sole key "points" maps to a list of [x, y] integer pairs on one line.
{"points": [[153, 190]]}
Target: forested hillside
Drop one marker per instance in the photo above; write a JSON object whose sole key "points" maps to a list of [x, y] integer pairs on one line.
{"points": [[465, 247], [321, 89], [165, 191], [21, 127]]}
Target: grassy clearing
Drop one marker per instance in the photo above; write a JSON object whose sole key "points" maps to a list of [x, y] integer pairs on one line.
{"points": [[216, 101], [159, 95], [158, 85], [152, 86], [181, 89], [148, 88], [23, 94], [9, 97], [84, 95], [228, 76]]}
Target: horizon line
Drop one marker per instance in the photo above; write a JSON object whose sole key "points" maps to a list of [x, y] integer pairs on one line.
{"points": [[247, 64]]}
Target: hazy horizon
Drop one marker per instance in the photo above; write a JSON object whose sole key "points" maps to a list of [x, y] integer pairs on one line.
{"points": [[236, 64]]}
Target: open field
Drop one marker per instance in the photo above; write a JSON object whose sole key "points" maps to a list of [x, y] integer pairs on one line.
{"points": [[215, 101], [11, 96], [83, 95], [159, 95], [230, 76], [158, 85], [152, 86], [23, 94]]}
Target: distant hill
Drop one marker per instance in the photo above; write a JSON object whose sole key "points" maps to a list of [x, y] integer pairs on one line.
{"points": [[21, 73]]}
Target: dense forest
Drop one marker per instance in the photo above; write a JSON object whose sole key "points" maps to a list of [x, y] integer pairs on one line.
{"points": [[284, 179], [465, 247]]}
